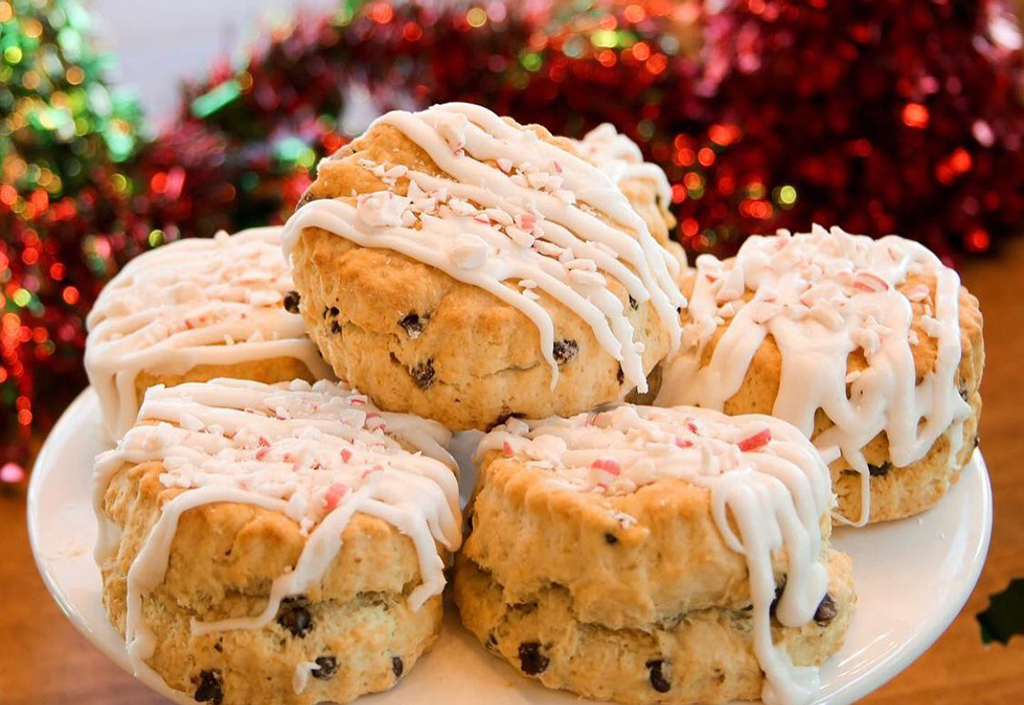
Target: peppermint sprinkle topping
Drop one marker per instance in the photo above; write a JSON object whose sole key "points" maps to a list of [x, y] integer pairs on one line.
{"points": [[198, 301], [823, 296], [311, 453], [768, 490], [513, 207]]}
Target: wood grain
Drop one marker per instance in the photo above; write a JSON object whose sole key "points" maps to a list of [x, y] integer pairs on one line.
{"points": [[44, 661]]}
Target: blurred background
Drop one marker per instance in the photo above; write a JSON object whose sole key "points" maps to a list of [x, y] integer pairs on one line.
{"points": [[126, 124]]}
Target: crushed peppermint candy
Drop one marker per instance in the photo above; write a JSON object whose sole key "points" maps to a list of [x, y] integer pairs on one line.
{"points": [[758, 440], [508, 201], [284, 448], [612, 467], [822, 296]]}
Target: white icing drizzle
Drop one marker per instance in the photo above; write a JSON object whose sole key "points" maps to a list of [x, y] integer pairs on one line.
{"points": [[821, 296], [760, 471], [539, 220], [621, 159], [300, 676], [198, 301], [318, 454]]}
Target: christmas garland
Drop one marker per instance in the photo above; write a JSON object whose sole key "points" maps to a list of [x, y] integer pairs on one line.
{"points": [[883, 115]]}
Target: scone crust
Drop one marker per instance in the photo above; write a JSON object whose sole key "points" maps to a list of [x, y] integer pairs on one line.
{"points": [[701, 656], [529, 534], [462, 356], [269, 371], [896, 492], [223, 559]]}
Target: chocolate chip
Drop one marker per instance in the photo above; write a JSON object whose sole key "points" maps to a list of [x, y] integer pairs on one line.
{"points": [[423, 374], [633, 304], [397, 666], [611, 538], [335, 328], [327, 666], [492, 642], [827, 610], [505, 415], [779, 587], [218, 647], [334, 311], [209, 690], [291, 302], [325, 312], [658, 680], [565, 350], [413, 325], [294, 616], [531, 660], [880, 470], [620, 376]]}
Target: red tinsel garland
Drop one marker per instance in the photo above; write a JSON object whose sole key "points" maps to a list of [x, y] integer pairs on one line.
{"points": [[881, 115]]}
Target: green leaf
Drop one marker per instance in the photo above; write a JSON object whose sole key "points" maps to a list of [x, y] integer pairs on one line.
{"points": [[1004, 617]]}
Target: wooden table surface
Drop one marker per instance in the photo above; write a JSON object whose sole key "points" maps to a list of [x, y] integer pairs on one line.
{"points": [[44, 661]]}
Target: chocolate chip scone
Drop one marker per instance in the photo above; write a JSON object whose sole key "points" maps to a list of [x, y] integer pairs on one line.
{"points": [[194, 310], [462, 267], [275, 544], [870, 347], [649, 555]]}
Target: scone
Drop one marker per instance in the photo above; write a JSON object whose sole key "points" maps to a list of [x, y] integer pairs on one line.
{"points": [[464, 268], [868, 346], [193, 310], [275, 544], [648, 555], [644, 183]]}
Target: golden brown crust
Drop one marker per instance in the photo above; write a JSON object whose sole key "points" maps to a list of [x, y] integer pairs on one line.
{"points": [[462, 356], [700, 656], [223, 559], [529, 533], [896, 492]]}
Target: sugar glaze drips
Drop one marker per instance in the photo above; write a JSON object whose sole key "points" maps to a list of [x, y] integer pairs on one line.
{"points": [[821, 296], [198, 301], [760, 471], [539, 218], [317, 454]]}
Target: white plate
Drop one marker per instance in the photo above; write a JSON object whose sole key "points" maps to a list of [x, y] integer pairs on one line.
{"points": [[912, 577]]}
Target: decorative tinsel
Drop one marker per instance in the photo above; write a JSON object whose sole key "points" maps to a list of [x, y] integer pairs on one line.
{"points": [[883, 115], [64, 142]]}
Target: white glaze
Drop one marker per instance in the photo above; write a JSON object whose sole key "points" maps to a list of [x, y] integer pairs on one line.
{"points": [[821, 296], [540, 215], [198, 301], [291, 448], [776, 490], [621, 159]]}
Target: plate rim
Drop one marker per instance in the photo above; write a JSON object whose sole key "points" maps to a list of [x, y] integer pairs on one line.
{"points": [[32, 500], [858, 687], [911, 650]]}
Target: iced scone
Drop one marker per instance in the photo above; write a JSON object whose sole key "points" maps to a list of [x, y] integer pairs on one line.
{"points": [[275, 544], [648, 555], [462, 267], [868, 346], [193, 310]]}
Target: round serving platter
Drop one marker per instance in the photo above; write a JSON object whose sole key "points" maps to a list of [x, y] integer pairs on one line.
{"points": [[912, 577]]}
